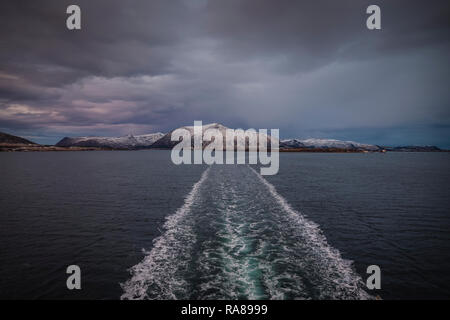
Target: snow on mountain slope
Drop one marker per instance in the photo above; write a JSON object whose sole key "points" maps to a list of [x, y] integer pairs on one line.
{"points": [[148, 139], [166, 142], [126, 142], [160, 140], [327, 143]]}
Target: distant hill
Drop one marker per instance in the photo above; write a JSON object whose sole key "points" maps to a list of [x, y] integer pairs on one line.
{"points": [[126, 142], [327, 144], [10, 139]]}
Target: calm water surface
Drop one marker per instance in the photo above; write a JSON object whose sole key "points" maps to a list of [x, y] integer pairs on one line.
{"points": [[140, 227]]}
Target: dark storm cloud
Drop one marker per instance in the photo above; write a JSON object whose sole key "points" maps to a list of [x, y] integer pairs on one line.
{"points": [[306, 67], [118, 38], [321, 29]]}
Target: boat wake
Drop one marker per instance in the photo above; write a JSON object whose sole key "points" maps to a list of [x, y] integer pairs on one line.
{"points": [[159, 274], [235, 237]]}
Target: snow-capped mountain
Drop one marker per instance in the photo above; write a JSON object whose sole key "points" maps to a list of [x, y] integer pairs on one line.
{"points": [[126, 142], [166, 142], [327, 144], [146, 140]]}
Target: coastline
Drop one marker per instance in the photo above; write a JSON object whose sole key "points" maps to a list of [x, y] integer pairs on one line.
{"points": [[11, 147]]}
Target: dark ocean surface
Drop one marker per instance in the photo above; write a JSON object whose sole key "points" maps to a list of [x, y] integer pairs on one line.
{"points": [[140, 227]]}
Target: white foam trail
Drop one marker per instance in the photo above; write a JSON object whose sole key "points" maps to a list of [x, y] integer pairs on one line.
{"points": [[169, 254], [238, 276], [331, 258]]}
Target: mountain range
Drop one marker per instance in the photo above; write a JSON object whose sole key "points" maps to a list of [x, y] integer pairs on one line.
{"points": [[163, 141], [126, 142], [327, 144]]}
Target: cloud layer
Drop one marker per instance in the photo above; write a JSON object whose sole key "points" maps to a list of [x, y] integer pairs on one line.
{"points": [[310, 68]]}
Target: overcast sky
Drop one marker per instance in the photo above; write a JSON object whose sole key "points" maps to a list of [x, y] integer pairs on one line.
{"points": [[309, 68]]}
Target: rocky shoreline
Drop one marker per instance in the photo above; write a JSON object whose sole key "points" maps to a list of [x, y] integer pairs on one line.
{"points": [[11, 147], [328, 150], [43, 148]]}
